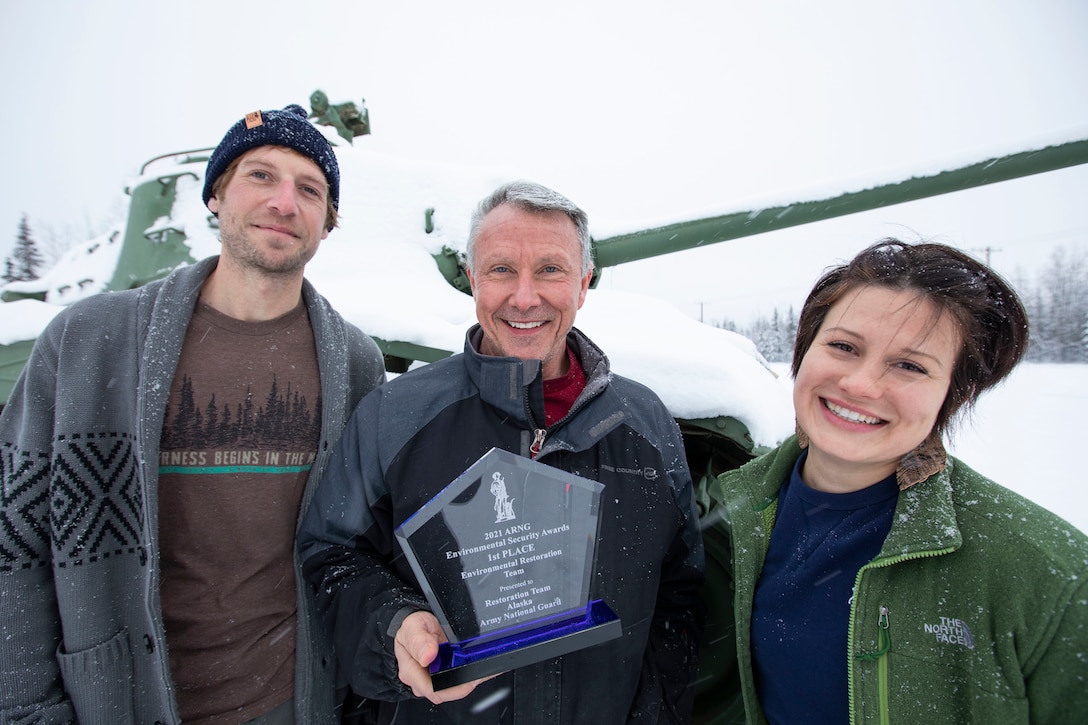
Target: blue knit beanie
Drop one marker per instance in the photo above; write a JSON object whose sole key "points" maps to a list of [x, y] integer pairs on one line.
{"points": [[289, 127]]}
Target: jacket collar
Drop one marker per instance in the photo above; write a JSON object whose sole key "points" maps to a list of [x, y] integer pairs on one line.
{"points": [[924, 519], [516, 386]]}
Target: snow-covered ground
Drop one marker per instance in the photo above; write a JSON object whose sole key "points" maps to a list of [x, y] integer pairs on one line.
{"points": [[1027, 435]]}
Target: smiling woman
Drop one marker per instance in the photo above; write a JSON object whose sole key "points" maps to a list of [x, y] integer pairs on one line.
{"points": [[875, 575], [869, 388]]}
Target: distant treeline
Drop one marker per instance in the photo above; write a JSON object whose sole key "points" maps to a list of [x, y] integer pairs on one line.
{"points": [[1056, 301]]}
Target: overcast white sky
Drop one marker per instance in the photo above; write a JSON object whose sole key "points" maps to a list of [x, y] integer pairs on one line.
{"points": [[636, 110]]}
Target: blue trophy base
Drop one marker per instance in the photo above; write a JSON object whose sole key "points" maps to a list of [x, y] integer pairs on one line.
{"points": [[458, 663]]}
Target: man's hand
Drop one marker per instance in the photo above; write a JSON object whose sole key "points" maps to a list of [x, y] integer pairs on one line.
{"points": [[416, 645]]}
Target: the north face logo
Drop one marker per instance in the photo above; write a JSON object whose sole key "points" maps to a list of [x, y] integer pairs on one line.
{"points": [[951, 631]]}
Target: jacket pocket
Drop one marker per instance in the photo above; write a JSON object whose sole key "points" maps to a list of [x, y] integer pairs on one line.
{"points": [[99, 681]]}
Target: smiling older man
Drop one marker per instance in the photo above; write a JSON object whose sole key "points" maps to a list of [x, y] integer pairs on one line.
{"points": [[531, 384]]}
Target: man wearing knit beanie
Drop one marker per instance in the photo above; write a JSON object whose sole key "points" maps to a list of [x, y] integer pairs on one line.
{"points": [[187, 422], [289, 128]]}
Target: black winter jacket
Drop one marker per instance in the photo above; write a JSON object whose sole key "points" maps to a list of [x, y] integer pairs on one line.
{"points": [[413, 436]]}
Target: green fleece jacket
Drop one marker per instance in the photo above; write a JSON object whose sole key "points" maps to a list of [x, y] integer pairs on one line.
{"points": [[975, 610]]}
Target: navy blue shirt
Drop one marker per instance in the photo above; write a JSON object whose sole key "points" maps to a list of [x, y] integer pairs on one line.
{"points": [[801, 610]]}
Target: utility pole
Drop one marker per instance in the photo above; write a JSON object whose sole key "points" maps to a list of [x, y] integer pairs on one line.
{"points": [[986, 250]]}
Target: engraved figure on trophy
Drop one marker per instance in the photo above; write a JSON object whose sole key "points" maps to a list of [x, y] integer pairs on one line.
{"points": [[504, 505]]}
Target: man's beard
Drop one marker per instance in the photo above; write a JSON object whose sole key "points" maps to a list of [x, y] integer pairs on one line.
{"points": [[249, 256]]}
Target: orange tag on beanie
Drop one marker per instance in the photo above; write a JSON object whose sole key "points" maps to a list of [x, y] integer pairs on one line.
{"points": [[253, 119]]}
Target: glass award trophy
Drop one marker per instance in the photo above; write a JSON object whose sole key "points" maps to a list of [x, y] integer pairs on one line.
{"points": [[505, 555]]}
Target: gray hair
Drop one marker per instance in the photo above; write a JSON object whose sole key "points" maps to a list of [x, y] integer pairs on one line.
{"points": [[532, 197]]}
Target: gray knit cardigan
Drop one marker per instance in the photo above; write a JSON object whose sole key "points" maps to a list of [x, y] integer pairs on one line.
{"points": [[81, 630]]}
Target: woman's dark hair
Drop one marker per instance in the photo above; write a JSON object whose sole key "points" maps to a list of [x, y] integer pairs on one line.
{"points": [[987, 312]]}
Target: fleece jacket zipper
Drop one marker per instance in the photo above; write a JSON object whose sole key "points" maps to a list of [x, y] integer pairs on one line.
{"points": [[884, 635]]}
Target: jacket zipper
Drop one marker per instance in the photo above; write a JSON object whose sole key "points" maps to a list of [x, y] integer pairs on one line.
{"points": [[539, 434], [884, 636], [538, 441], [884, 643]]}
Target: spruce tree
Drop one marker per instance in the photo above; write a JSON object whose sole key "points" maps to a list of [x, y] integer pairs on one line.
{"points": [[25, 261]]}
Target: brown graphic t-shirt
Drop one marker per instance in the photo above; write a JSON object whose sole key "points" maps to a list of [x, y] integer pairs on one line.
{"points": [[238, 441]]}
